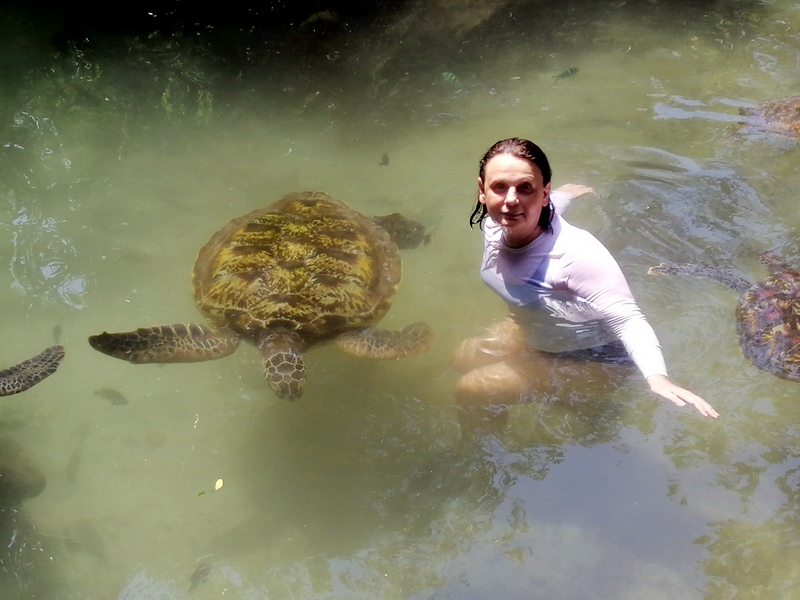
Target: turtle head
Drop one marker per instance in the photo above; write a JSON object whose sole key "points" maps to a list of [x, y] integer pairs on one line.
{"points": [[284, 368]]}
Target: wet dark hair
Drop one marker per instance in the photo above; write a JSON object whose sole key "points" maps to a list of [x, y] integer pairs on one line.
{"points": [[525, 150]]}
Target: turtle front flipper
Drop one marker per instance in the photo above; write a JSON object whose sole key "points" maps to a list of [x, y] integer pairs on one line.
{"points": [[29, 372], [404, 232], [166, 344], [284, 368], [730, 277], [384, 344]]}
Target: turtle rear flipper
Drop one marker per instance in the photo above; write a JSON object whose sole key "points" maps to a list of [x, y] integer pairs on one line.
{"points": [[29, 372], [166, 344], [385, 344]]}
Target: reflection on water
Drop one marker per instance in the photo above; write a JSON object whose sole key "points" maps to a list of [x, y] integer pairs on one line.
{"points": [[40, 261], [124, 150], [669, 208]]}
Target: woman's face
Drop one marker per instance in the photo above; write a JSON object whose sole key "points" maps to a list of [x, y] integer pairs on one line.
{"points": [[514, 194]]}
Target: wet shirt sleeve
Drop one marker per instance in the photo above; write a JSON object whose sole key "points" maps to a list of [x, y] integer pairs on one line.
{"points": [[592, 273]]}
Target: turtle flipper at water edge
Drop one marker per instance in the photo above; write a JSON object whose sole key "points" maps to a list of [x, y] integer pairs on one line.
{"points": [[29, 372], [165, 344]]}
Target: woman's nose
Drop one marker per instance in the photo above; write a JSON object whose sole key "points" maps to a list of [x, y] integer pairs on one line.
{"points": [[511, 196]]}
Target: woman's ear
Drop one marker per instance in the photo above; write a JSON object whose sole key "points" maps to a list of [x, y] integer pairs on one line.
{"points": [[481, 194]]}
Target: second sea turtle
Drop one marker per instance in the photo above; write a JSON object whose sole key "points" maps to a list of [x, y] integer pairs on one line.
{"points": [[305, 270], [781, 116], [767, 315]]}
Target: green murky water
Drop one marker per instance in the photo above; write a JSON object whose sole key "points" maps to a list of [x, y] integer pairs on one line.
{"points": [[122, 154]]}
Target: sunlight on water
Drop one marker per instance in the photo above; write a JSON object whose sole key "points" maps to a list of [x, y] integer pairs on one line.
{"points": [[120, 160]]}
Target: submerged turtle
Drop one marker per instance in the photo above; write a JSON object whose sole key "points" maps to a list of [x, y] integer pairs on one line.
{"points": [[29, 372], [780, 116], [767, 316], [305, 270]]}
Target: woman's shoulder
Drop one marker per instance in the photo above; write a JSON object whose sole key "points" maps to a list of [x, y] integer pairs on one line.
{"points": [[576, 240], [567, 229], [491, 230]]}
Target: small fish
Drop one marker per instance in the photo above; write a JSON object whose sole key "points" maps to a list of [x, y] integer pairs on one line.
{"points": [[74, 463], [322, 16], [76, 456], [112, 395], [83, 536], [309, 99], [567, 73], [450, 77], [200, 575], [384, 160]]}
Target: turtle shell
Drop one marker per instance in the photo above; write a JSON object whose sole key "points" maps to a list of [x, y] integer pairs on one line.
{"points": [[307, 264], [780, 116], [768, 324]]}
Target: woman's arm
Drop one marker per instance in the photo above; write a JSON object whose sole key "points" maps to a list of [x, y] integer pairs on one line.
{"points": [[596, 276]]}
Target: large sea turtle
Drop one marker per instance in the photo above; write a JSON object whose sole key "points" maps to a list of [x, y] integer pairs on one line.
{"points": [[780, 116], [305, 270], [29, 372], [768, 313]]}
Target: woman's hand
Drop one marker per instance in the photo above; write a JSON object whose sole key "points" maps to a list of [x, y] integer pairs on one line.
{"points": [[575, 190], [662, 386]]}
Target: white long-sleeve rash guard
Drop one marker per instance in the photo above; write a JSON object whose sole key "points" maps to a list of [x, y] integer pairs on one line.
{"points": [[568, 293]]}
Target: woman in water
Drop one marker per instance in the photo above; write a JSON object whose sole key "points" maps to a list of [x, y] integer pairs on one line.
{"points": [[568, 297]]}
